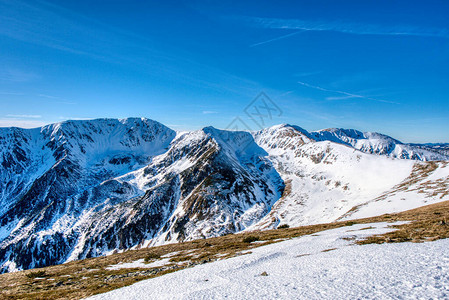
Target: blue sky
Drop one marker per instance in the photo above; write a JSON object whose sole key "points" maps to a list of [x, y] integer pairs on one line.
{"points": [[370, 65]]}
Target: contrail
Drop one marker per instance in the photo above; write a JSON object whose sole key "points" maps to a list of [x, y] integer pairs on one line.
{"points": [[348, 27], [276, 39], [345, 93]]}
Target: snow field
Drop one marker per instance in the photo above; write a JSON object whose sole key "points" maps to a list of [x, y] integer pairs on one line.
{"points": [[325, 265]]}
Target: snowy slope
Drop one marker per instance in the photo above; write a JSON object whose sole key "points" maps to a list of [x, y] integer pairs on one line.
{"points": [[327, 181], [326, 265], [115, 191], [46, 173], [426, 184], [201, 187], [80, 189]]}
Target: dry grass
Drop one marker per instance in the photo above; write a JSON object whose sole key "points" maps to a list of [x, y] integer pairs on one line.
{"points": [[87, 277], [328, 250], [428, 223]]}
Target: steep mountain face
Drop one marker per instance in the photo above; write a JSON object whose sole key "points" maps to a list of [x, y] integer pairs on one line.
{"points": [[80, 189], [111, 185], [441, 148], [205, 185], [46, 173]]}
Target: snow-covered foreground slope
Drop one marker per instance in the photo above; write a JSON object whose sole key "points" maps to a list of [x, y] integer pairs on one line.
{"points": [[325, 265], [81, 189]]}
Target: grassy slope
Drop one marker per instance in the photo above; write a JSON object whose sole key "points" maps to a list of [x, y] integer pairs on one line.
{"points": [[82, 278]]}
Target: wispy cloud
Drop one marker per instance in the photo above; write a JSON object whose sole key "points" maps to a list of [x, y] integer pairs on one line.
{"points": [[29, 22], [276, 39], [25, 116], [11, 93], [307, 74], [57, 99], [346, 95], [16, 75], [347, 27], [340, 98], [48, 96], [74, 118], [208, 112], [175, 125], [285, 93], [48, 25], [21, 123]]}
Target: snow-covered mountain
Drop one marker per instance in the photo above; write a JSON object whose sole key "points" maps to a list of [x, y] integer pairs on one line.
{"points": [[376, 143], [328, 180], [80, 189]]}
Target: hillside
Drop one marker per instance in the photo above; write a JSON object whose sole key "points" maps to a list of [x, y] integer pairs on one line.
{"points": [[82, 278]]}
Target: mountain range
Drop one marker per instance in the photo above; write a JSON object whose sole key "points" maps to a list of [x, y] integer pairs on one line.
{"points": [[81, 189]]}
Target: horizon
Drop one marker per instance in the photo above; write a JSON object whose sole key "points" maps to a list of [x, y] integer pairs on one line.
{"points": [[229, 129], [374, 66]]}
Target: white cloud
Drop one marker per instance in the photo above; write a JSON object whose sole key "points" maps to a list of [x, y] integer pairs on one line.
{"points": [[48, 96], [74, 118], [25, 116], [341, 98], [21, 123]]}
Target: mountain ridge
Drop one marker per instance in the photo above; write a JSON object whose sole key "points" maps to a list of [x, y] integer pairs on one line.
{"points": [[87, 188]]}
